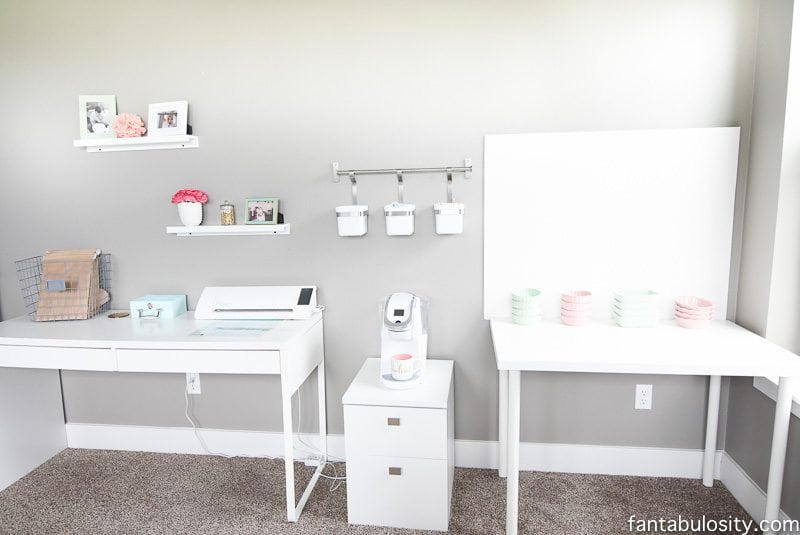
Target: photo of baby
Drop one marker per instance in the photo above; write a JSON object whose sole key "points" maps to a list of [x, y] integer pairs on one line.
{"points": [[96, 113], [168, 119], [261, 211], [97, 119]]}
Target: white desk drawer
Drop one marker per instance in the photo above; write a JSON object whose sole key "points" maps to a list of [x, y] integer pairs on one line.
{"points": [[57, 358], [398, 431], [398, 492], [198, 361]]}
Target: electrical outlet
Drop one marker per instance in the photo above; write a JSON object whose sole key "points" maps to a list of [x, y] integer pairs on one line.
{"points": [[644, 397], [193, 383]]}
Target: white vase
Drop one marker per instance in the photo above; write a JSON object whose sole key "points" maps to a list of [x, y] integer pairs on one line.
{"points": [[191, 213]]}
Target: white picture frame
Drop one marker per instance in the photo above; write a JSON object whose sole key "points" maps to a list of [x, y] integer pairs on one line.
{"points": [[261, 211], [95, 114], [167, 118]]}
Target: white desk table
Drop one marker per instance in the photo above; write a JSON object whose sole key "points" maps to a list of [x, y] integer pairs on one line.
{"points": [[722, 349], [292, 349]]}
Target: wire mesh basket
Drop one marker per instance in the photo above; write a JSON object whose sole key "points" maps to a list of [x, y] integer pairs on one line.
{"points": [[65, 288]]}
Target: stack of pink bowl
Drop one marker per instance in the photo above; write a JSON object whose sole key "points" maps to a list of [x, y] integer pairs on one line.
{"points": [[576, 307], [693, 312]]}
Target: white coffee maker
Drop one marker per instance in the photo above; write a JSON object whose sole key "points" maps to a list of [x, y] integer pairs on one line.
{"points": [[404, 340]]}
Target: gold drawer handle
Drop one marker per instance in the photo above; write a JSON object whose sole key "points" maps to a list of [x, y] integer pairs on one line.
{"points": [[395, 471], [393, 421]]}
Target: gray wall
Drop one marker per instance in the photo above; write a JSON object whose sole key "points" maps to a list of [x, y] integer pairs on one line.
{"points": [[278, 91], [749, 437], [784, 310], [770, 269], [766, 145]]}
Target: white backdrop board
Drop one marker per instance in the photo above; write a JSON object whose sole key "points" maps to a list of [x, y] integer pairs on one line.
{"points": [[607, 211]]}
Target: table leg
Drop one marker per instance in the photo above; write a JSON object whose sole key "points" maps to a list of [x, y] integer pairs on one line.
{"points": [[288, 455], [712, 421], [780, 435], [502, 431], [323, 426], [512, 483]]}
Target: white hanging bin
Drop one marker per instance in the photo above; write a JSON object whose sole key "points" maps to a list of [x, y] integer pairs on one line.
{"points": [[352, 219], [399, 219], [449, 217]]}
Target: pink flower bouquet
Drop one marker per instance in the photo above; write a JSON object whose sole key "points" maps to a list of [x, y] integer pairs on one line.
{"points": [[128, 125], [189, 195]]}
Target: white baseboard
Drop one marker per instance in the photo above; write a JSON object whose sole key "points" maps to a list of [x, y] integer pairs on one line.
{"points": [[476, 454], [614, 460], [769, 387], [570, 458], [184, 440], [588, 459], [744, 489]]}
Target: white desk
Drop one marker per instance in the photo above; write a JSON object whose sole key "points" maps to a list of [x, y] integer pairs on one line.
{"points": [[291, 349], [723, 349]]}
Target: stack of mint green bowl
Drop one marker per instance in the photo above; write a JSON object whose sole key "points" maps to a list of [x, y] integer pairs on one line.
{"points": [[636, 308], [526, 306]]}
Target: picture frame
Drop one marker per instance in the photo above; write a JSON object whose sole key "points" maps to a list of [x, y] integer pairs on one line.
{"points": [[261, 211], [95, 113], [167, 118]]}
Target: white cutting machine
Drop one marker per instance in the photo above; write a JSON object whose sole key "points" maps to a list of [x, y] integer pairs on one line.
{"points": [[257, 303]]}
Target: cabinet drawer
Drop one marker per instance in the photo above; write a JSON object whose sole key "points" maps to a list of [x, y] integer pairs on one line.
{"points": [[198, 361], [397, 431], [398, 492], [58, 358]]}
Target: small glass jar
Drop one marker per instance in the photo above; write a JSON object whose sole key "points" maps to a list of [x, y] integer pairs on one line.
{"points": [[226, 215]]}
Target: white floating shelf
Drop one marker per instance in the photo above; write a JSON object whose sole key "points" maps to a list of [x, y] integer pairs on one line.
{"points": [[138, 143], [230, 230]]}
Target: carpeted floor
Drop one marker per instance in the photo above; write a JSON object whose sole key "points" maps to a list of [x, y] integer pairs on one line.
{"points": [[95, 491]]}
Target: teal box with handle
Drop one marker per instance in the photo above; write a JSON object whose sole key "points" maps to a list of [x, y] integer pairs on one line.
{"points": [[158, 306]]}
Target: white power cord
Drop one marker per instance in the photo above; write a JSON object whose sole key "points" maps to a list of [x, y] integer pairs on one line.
{"points": [[300, 437], [336, 480], [202, 441]]}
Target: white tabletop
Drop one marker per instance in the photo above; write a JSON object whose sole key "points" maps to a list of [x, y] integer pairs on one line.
{"points": [[724, 348], [183, 332], [366, 388]]}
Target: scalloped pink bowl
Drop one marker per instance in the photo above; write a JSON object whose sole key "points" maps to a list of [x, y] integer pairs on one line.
{"points": [[576, 307], [694, 303], [578, 297], [694, 315], [575, 322], [693, 324], [577, 314], [693, 310]]}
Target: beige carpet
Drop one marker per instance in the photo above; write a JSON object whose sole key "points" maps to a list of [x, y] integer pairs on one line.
{"points": [[92, 491]]}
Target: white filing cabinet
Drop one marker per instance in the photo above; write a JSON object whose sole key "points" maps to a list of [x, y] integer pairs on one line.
{"points": [[400, 449]]}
